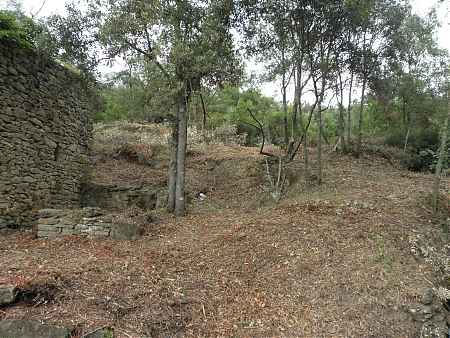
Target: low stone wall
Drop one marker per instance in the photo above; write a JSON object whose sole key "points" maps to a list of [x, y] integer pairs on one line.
{"points": [[90, 222], [86, 222]]}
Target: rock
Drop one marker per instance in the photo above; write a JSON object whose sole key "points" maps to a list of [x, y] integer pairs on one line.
{"points": [[92, 212], [428, 297], [125, 231], [103, 333], [31, 329], [48, 213], [8, 295]]}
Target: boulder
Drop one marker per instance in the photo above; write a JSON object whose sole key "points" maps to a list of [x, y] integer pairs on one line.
{"points": [[8, 295], [31, 329], [126, 231]]}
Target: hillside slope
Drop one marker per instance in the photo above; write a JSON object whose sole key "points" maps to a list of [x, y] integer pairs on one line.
{"points": [[334, 261]]}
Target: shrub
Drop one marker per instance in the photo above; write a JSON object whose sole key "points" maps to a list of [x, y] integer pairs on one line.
{"points": [[12, 30], [422, 148]]}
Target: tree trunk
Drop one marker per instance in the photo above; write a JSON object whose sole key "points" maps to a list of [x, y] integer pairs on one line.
{"points": [[298, 118], [360, 122], [205, 116], [306, 156], [299, 121], [442, 156], [172, 180], [285, 108], [341, 115], [349, 113], [408, 125], [180, 201], [319, 144]]}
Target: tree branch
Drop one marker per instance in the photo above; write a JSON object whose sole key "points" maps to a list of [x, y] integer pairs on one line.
{"points": [[261, 130], [150, 56]]}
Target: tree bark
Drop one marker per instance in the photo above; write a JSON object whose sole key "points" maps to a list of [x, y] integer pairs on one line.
{"points": [[285, 108], [360, 122], [319, 144], [349, 113], [172, 180], [341, 123], [180, 200]]}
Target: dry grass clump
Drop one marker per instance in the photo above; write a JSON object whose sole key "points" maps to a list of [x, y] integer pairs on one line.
{"points": [[226, 134], [134, 142]]}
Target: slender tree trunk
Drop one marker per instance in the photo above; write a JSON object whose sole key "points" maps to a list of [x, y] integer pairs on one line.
{"points": [[180, 201], [319, 144], [299, 92], [300, 121], [172, 181], [407, 139], [295, 119], [285, 108], [306, 156], [408, 125], [204, 120], [349, 112], [361, 112], [341, 124], [442, 157]]}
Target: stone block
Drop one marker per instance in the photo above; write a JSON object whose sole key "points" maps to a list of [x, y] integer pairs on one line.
{"points": [[8, 295], [47, 234], [47, 213], [126, 232], [100, 234], [31, 329], [49, 221], [48, 228]]}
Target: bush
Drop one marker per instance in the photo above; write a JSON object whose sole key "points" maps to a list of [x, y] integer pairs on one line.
{"points": [[422, 149], [12, 30]]}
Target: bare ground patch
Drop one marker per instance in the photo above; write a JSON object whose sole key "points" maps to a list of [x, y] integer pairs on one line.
{"points": [[328, 262]]}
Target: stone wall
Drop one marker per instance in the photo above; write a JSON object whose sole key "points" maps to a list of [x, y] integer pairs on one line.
{"points": [[86, 222], [89, 222], [45, 133], [122, 196]]}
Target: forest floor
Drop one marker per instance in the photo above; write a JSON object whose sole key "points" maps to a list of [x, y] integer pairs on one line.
{"points": [[329, 261]]}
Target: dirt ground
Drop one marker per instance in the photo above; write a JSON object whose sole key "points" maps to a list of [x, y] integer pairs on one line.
{"points": [[333, 261]]}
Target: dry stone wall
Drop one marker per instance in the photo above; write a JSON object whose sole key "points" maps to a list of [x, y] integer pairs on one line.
{"points": [[86, 222], [89, 222], [45, 134]]}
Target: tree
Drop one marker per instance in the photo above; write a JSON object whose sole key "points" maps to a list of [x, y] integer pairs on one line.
{"points": [[188, 41]]}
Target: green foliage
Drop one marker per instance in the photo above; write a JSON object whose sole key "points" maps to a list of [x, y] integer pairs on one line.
{"points": [[122, 103], [22, 30], [232, 105], [13, 29], [422, 148]]}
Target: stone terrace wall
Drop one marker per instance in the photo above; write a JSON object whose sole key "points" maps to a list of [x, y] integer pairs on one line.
{"points": [[84, 222], [45, 133], [87, 222]]}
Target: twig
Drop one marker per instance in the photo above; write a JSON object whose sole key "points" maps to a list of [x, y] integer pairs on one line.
{"points": [[204, 312], [39, 10], [269, 176]]}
